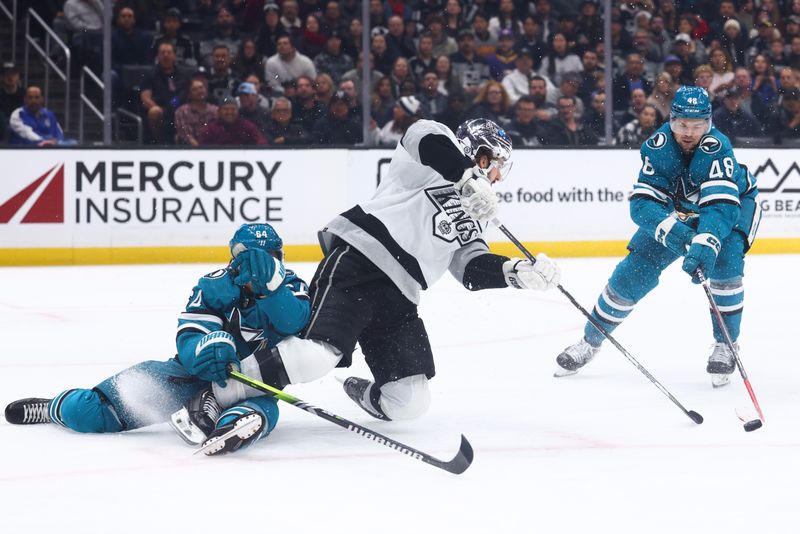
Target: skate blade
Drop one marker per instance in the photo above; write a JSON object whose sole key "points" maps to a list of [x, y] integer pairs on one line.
{"points": [[247, 427], [560, 372], [180, 423], [719, 380]]}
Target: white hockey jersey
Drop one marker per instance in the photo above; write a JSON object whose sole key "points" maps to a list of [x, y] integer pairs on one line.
{"points": [[414, 228]]}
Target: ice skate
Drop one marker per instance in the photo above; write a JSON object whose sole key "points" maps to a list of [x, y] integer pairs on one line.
{"points": [[237, 428], [28, 412], [361, 391], [721, 364], [574, 357], [195, 421]]}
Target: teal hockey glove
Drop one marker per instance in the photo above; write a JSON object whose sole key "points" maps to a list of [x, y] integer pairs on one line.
{"points": [[213, 354], [702, 255], [674, 235], [263, 273]]}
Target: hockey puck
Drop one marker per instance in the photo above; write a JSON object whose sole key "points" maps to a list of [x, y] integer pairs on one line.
{"points": [[696, 417], [755, 424]]}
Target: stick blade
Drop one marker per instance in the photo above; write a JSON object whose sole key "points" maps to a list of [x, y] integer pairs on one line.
{"points": [[460, 462], [696, 417], [750, 419]]}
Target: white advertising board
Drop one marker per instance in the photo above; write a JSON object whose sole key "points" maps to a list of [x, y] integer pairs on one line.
{"points": [[111, 199]]}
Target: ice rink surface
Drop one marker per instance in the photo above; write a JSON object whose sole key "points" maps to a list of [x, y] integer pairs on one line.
{"points": [[602, 451]]}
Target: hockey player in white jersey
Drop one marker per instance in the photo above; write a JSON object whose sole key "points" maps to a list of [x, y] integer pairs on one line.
{"points": [[426, 217]]}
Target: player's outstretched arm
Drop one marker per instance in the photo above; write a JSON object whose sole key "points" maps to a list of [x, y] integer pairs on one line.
{"points": [[478, 270]]}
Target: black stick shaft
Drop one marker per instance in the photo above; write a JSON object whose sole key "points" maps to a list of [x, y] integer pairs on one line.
{"points": [[457, 465], [694, 416]]}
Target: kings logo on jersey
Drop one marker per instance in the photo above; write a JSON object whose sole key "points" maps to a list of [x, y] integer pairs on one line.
{"points": [[450, 223]]}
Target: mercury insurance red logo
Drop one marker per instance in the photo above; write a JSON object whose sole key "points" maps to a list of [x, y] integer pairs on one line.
{"points": [[41, 201]]}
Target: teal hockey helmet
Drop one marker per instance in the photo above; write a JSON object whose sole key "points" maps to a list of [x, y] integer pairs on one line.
{"points": [[257, 235], [691, 103]]}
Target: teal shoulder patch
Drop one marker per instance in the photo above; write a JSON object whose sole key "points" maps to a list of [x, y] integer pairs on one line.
{"points": [[710, 144], [659, 140]]}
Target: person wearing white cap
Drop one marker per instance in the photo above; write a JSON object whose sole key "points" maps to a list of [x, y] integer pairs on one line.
{"points": [[726, 12], [405, 113], [734, 41]]}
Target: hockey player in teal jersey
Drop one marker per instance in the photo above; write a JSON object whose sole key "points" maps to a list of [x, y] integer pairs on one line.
{"points": [[247, 306], [692, 200]]}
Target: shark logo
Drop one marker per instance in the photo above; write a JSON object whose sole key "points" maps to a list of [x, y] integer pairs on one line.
{"points": [[657, 141], [710, 145], [450, 223]]}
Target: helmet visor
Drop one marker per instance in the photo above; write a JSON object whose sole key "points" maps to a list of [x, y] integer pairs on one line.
{"points": [[503, 166], [684, 126]]}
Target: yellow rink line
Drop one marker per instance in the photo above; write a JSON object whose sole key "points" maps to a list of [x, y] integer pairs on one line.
{"points": [[142, 255]]}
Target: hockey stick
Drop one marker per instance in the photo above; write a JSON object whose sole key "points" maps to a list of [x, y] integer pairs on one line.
{"points": [[694, 416], [460, 462], [749, 423]]}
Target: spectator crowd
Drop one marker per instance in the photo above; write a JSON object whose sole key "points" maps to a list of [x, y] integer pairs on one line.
{"points": [[289, 73]]}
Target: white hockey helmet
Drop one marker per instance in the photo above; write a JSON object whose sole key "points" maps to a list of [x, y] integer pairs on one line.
{"points": [[477, 134]]}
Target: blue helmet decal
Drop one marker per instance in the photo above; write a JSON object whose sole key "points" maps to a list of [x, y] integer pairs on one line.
{"points": [[257, 235], [691, 103]]}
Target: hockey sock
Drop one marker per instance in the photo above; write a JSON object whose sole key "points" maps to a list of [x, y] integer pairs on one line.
{"points": [[84, 410], [729, 298], [611, 309]]}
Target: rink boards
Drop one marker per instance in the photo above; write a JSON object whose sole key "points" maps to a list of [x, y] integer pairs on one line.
{"points": [[97, 206]]}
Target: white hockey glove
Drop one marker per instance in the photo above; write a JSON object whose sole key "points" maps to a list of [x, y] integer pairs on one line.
{"points": [[541, 275], [477, 198]]}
